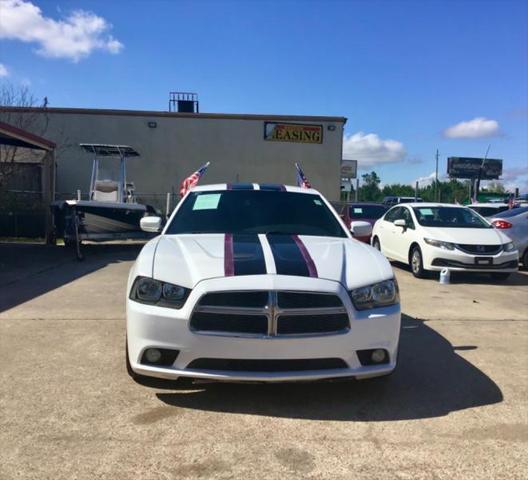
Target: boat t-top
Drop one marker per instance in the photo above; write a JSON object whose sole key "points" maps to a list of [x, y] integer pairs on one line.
{"points": [[111, 211]]}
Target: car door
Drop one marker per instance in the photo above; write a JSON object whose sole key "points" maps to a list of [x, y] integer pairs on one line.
{"points": [[385, 231], [403, 237]]}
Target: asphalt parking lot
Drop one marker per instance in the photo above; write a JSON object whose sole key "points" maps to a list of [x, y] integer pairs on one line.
{"points": [[455, 408]]}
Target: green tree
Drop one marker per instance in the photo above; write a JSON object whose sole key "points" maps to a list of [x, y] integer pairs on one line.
{"points": [[370, 191]]}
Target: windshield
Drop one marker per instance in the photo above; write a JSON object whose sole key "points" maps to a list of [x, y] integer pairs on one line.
{"points": [[449, 217], [366, 211], [255, 211]]}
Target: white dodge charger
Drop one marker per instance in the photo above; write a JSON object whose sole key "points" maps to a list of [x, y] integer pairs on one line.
{"points": [[253, 282]]}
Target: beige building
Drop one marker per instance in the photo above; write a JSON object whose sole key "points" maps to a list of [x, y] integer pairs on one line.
{"points": [[243, 148]]}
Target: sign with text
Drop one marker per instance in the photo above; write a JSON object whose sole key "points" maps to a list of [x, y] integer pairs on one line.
{"points": [[348, 169], [465, 167], [293, 132]]}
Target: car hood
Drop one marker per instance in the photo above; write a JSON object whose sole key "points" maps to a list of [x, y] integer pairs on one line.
{"points": [[467, 236], [188, 259]]}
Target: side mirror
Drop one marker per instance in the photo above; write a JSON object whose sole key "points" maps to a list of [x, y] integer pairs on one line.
{"points": [[361, 229], [400, 223], [150, 224]]}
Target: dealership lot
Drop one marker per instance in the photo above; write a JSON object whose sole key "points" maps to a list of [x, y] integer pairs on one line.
{"points": [[457, 406]]}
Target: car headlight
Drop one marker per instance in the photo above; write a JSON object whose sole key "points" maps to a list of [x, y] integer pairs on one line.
{"points": [[153, 292], [509, 247], [378, 295], [439, 244]]}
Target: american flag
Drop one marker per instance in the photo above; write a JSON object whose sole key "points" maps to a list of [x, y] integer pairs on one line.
{"points": [[193, 179], [302, 181], [510, 201]]}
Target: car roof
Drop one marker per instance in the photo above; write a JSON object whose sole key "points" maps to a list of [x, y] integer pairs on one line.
{"points": [[511, 213], [489, 205], [369, 204], [426, 204], [253, 186]]}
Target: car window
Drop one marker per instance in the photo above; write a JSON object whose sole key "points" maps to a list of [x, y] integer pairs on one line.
{"points": [[406, 215], [393, 214], [513, 212], [489, 211], [366, 211], [255, 211], [449, 217]]}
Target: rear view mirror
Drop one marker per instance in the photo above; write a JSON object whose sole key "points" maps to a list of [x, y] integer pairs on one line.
{"points": [[361, 229], [400, 223], [150, 224]]}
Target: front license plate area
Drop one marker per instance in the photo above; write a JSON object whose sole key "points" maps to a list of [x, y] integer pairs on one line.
{"points": [[483, 260]]}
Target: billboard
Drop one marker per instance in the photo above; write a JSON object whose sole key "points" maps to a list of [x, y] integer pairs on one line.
{"points": [[466, 167], [293, 132], [348, 169]]}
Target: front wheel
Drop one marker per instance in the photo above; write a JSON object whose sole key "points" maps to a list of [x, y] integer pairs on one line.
{"points": [[376, 244], [417, 263]]}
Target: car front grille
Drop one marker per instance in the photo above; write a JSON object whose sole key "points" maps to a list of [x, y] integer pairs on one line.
{"points": [[480, 249], [269, 313], [266, 365]]}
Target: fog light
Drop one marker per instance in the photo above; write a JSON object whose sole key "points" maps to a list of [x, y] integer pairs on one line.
{"points": [[374, 356], [153, 355], [378, 355]]}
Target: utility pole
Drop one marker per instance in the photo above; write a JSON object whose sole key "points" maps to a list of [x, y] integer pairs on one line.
{"points": [[477, 186], [436, 178]]}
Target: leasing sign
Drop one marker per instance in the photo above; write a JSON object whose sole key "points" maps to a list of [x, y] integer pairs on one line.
{"points": [[293, 132]]}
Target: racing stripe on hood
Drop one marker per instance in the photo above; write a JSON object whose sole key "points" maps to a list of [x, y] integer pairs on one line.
{"points": [[243, 255], [291, 256]]}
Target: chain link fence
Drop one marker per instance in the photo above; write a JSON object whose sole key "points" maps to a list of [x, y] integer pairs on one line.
{"points": [[23, 213]]}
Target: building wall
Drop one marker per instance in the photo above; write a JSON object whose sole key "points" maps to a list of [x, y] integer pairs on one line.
{"points": [[234, 144]]}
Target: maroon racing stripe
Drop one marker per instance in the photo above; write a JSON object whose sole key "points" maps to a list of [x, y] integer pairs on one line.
{"points": [[229, 264], [312, 270]]}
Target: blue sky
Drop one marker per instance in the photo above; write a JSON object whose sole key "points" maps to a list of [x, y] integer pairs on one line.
{"points": [[402, 72]]}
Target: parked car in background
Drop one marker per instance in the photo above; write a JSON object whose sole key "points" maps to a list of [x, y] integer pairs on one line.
{"points": [[514, 223], [259, 284], [432, 236], [391, 200], [368, 212], [489, 209]]}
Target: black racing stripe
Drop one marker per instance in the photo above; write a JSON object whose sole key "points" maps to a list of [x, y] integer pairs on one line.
{"points": [[274, 187], [287, 255], [240, 186], [248, 256]]}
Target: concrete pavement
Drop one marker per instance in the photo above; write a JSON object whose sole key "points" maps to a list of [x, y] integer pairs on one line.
{"points": [[455, 408]]}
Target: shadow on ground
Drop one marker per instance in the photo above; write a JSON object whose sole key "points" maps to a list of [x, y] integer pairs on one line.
{"points": [[28, 271], [431, 380], [475, 278]]}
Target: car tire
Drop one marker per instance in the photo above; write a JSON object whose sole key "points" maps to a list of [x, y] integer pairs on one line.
{"points": [[500, 276], [416, 262], [376, 244], [525, 259]]}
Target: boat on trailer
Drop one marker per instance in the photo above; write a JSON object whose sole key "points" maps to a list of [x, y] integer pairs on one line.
{"points": [[111, 211]]}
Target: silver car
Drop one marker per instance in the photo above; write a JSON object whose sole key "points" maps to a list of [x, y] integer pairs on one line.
{"points": [[514, 223]]}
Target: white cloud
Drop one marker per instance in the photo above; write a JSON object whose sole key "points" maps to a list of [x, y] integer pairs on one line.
{"points": [[428, 179], [370, 150], [512, 178], [4, 72], [477, 128], [74, 37]]}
